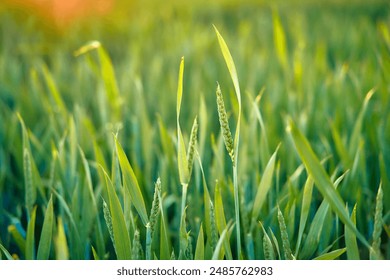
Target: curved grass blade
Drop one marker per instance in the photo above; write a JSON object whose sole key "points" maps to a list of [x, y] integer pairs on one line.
{"points": [[181, 148], [221, 240], [355, 137], [317, 225], [264, 187], [47, 233], [322, 180], [131, 183], [233, 74], [332, 255], [58, 101], [6, 253]]}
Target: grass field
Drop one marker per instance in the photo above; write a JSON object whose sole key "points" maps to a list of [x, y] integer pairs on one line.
{"points": [[202, 131]]}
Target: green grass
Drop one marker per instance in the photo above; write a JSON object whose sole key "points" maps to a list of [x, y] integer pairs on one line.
{"points": [[287, 159]]}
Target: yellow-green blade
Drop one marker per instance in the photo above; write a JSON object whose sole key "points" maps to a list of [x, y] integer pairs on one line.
{"points": [[279, 39], [199, 251], [60, 243], [332, 255], [233, 74], [181, 148], [350, 240]]}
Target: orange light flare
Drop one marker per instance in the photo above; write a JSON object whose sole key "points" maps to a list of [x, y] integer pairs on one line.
{"points": [[63, 12]]}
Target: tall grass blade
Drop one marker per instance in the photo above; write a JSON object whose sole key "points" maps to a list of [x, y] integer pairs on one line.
{"points": [[355, 137], [322, 180], [56, 95], [221, 240], [131, 183], [375, 253], [30, 238], [220, 219], [199, 251], [264, 187], [350, 240], [47, 233], [306, 201], [121, 235], [233, 74], [279, 40], [28, 166], [181, 148]]}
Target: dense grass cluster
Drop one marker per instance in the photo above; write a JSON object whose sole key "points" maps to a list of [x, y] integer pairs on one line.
{"points": [[279, 147]]}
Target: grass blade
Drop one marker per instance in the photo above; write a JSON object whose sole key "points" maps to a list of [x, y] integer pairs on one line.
{"points": [[306, 201], [221, 240], [350, 240], [332, 255], [181, 148], [60, 243], [30, 195], [279, 39], [131, 183], [283, 231], [6, 253], [119, 230], [322, 180], [199, 251], [375, 253], [56, 95], [30, 238], [264, 187], [220, 219], [233, 74], [46, 234]]}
